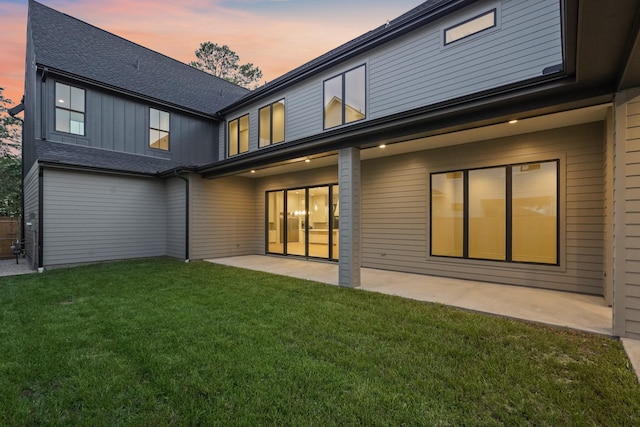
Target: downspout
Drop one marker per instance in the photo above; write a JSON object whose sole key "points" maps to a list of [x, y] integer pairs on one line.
{"points": [[186, 216], [40, 218]]}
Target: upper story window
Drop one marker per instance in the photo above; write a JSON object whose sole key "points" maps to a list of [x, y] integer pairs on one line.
{"points": [[472, 26], [158, 129], [239, 135], [345, 98], [272, 124], [69, 109]]}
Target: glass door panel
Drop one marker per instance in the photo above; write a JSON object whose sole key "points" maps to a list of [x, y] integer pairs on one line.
{"points": [[275, 222], [335, 214], [319, 222], [296, 220]]}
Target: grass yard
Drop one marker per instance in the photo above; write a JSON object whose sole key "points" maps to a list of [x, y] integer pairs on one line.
{"points": [[159, 342]]}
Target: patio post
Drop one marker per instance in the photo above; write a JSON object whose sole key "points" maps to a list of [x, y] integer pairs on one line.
{"points": [[349, 211]]}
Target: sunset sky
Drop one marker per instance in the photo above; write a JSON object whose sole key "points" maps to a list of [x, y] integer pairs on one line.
{"points": [[275, 35]]}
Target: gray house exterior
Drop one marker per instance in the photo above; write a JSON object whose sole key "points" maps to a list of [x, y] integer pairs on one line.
{"points": [[493, 140]]}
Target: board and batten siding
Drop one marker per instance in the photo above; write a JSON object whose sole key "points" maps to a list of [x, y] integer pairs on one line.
{"points": [[91, 217], [417, 70], [121, 123], [222, 217], [395, 209], [176, 217], [31, 213], [626, 314]]}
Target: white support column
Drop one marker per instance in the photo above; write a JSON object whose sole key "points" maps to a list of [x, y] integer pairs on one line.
{"points": [[350, 238]]}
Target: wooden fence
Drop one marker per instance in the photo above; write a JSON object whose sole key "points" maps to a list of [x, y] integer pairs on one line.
{"points": [[9, 232]]}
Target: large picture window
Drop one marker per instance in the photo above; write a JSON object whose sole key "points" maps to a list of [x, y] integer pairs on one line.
{"points": [[345, 98], [158, 129], [70, 109], [239, 135], [506, 213], [271, 126]]}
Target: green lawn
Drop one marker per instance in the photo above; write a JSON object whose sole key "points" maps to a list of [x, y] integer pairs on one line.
{"points": [[159, 342]]}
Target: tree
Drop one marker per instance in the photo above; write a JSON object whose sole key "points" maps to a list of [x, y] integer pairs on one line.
{"points": [[10, 164], [10, 129], [222, 62]]}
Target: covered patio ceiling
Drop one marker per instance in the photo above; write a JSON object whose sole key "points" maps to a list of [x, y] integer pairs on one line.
{"points": [[474, 134]]}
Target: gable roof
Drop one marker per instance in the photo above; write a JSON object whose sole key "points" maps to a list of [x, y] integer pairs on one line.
{"points": [[66, 44], [426, 12]]}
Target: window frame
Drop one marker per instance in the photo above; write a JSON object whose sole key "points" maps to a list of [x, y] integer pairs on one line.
{"points": [[70, 110], [159, 129], [238, 152], [343, 94], [508, 211], [284, 121], [493, 11]]}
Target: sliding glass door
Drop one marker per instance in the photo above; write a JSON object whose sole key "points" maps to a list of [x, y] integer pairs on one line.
{"points": [[303, 222]]}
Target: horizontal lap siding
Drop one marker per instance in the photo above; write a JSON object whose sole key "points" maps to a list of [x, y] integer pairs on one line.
{"points": [[417, 70], [31, 214], [223, 213], [176, 210], [631, 139], [395, 209], [94, 217]]}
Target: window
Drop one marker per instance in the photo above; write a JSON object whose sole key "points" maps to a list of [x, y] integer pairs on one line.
{"points": [[69, 109], [158, 129], [506, 213], [472, 26], [272, 124], [239, 135], [345, 98]]}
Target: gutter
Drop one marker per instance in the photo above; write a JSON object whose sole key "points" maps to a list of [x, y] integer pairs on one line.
{"points": [[367, 42], [124, 92]]}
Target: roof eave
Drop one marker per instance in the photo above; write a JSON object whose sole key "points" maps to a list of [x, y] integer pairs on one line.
{"points": [[62, 73], [367, 43]]}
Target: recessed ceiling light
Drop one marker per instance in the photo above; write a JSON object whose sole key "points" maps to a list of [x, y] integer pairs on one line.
{"points": [[382, 145], [253, 171], [514, 121], [307, 160]]}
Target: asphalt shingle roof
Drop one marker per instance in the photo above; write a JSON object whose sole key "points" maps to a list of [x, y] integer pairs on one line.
{"points": [[77, 155], [67, 44]]}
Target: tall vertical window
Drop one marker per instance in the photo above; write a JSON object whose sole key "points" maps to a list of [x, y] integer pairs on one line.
{"points": [[272, 124], [447, 201], [506, 213], [158, 129], [70, 109], [239, 135], [345, 98]]}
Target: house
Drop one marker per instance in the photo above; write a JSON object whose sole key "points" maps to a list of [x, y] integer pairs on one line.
{"points": [[492, 140]]}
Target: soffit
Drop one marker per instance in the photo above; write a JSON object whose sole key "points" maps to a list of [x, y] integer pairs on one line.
{"points": [[533, 124]]}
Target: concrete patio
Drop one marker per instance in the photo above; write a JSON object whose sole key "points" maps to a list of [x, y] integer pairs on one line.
{"points": [[8, 267], [563, 309]]}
